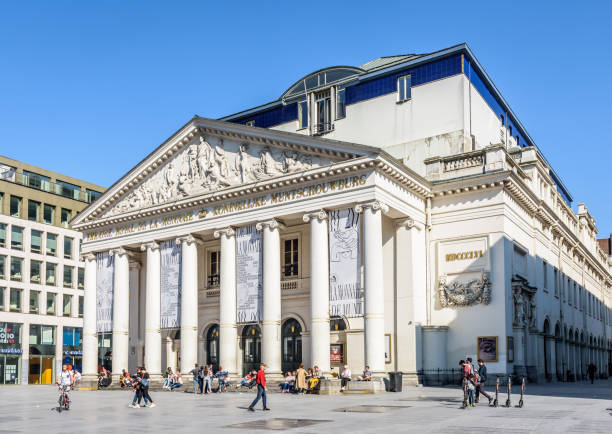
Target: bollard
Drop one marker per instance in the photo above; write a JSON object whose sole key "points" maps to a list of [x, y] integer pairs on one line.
{"points": [[508, 401], [496, 402], [522, 392]]}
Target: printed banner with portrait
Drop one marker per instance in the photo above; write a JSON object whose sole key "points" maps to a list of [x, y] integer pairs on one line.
{"points": [[345, 291], [104, 292], [249, 274], [170, 284]]}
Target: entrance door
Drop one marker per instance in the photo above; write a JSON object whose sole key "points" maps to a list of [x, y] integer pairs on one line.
{"points": [[251, 346], [9, 369], [41, 369], [292, 345], [212, 347]]}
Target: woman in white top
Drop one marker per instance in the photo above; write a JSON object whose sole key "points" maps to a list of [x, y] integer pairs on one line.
{"points": [[345, 377]]}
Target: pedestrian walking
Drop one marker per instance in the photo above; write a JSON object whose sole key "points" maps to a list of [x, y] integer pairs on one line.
{"points": [[261, 388], [591, 371], [482, 373]]}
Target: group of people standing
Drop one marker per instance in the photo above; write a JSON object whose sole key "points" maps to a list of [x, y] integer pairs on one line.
{"points": [[474, 379], [203, 378]]}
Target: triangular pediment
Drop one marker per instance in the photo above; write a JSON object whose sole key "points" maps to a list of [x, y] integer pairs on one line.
{"points": [[210, 156]]}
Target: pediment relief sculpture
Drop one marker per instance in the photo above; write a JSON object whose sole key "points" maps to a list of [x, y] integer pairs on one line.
{"points": [[457, 293], [208, 165]]}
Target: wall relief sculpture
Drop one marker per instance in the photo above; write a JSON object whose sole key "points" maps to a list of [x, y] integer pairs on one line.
{"points": [[476, 291], [524, 303], [211, 165]]}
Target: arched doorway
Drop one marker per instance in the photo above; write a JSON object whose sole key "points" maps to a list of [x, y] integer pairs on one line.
{"points": [[292, 345], [251, 348], [212, 346]]}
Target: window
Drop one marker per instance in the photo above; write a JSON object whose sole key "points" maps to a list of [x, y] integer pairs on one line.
{"points": [[545, 274], [51, 296], [16, 238], [290, 258], [92, 195], [33, 210], [51, 244], [48, 214], [34, 300], [2, 298], [556, 276], [81, 278], [36, 181], [42, 335], [403, 88], [322, 112], [16, 264], [35, 269], [68, 190], [340, 103], [15, 206], [67, 276], [36, 241], [81, 305], [68, 248], [15, 300], [303, 114], [214, 268], [2, 267], [72, 337], [2, 235], [250, 123], [67, 299], [65, 217], [50, 274]]}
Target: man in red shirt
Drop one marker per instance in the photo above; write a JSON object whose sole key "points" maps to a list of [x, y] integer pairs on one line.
{"points": [[261, 388]]}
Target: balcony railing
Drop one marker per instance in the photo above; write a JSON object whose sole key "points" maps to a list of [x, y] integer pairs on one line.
{"points": [[322, 128], [43, 184]]}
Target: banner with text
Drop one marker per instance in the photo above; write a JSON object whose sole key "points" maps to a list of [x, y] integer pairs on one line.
{"points": [[104, 292], [170, 285], [249, 274], [345, 292]]}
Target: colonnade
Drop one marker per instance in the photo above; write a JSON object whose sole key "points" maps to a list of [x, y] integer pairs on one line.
{"points": [[271, 323]]}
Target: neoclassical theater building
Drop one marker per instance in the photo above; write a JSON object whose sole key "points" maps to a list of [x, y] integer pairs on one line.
{"points": [[396, 214]]}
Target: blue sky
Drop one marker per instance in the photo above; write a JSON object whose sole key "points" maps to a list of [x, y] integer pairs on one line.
{"points": [[90, 88]]}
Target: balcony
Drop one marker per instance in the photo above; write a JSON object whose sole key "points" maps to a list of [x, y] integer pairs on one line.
{"points": [[322, 128], [43, 184]]}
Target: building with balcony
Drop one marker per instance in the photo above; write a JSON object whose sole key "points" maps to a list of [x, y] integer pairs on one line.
{"points": [[41, 274], [395, 214]]}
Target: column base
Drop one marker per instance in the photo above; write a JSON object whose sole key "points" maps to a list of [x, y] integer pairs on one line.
{"points": [[88, 382]]}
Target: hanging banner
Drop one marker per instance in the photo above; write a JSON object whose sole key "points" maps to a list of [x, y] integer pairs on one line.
{"points": [[170, 285], [104, 292], [249, 274], [345, 292]]}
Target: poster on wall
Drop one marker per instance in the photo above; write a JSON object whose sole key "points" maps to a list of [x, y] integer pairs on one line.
{"points": [[170, 284], [336, 354], [104, 292], [345, 292], [487, 348], [249, 275]]}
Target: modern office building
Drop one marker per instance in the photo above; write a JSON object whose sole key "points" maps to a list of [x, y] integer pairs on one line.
{"points": [[395, 214], [41, 274]]}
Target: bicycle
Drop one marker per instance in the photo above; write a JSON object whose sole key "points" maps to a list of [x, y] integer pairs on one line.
{"points": [[63, 400]]}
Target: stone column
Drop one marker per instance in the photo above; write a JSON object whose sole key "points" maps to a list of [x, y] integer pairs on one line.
{"points": [[271, 332], [551, 362], [121, 311], [25, 355], [374, 290], [227, 301], [90, 336], [152, 360], [319, 290], [189, 303]]}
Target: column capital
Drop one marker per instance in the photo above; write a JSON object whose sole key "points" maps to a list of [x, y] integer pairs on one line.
{"points": [[407, 223], [119, 251], [151, 245], [189, 239], [272, 224], [319, 215], [88, 257], [375, 205], [228, 232]]}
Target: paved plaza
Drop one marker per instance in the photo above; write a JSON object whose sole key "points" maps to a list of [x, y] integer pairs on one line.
{"points": [[576, 407]]}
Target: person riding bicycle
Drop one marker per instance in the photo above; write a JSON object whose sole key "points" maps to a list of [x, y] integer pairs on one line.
{"points": [[65, 378]]}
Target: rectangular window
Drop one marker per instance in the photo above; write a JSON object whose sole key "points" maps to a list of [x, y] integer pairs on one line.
{"points": [[81, 278], [2, 298], [16, 238], [340, 103], [214, 261], [15, 300], [403, 88], [250, 123], [303, 114], [16, 265], [35, 269], [51, 296], [2, 235], [51, 244], [36, 241], [35, 180], [33, 210], [50, 274], [92, 195], [68, 248], [67, 305], [556, 277], [67, 276], [68, 190], [81, 305], [65, 217], [2, 267], [322, 112], [545, 274], [15, 206], [290, 258], [34, 300], [48, 214]]}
